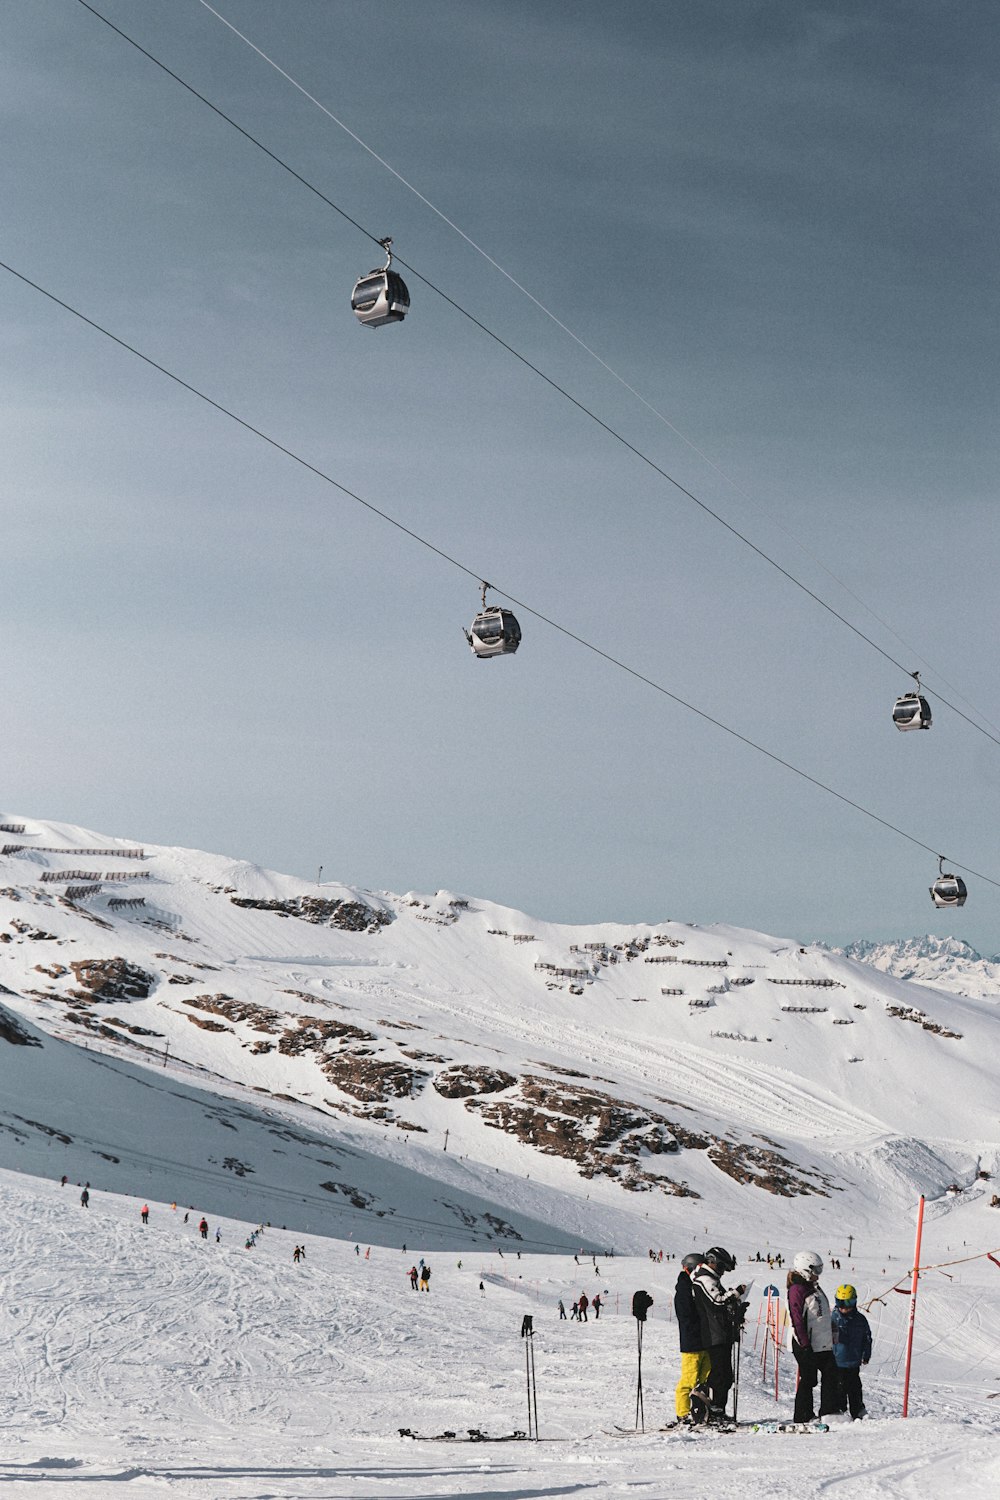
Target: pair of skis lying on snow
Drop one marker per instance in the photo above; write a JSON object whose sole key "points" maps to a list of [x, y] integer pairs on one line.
{"points": [[475, 1435], [730, 1426]]}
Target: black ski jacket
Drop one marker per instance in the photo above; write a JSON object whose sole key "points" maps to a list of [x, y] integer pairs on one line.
{"points": [[717, 1308], [688, 1322]]}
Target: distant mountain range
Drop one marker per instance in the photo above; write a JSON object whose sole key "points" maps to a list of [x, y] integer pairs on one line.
{"points": [[946, 963]]}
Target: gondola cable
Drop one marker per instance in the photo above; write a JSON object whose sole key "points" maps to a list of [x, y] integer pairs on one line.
{"points": [[522, 359], [706, 458], [471, 573]]}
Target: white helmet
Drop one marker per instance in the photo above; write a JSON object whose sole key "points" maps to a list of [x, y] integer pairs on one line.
{"points": [[808, 1263]]}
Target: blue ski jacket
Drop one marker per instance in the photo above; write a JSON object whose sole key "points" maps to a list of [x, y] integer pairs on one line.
{"points": [[852, 1339]]}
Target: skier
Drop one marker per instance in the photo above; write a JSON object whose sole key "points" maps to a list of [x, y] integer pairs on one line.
{"points": [[144, 1213], [811, 1336], [482, 1290], [695, 1363], [65, 1179], [85, 1198], [413, 1277], [425, 1279], [583, 1304], [203, 1228], [218, 1236], [296, 1255], [596, 1305], [562, 1309], [852, 1348], [720, 1313], [576, 1312]]}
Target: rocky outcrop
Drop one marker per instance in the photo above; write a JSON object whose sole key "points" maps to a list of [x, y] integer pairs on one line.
{"points": [[463, 1081], [610, 1137], [12, 1031], [372, 1080], [768, 1169], [351, 916], [111, 979], [603, 1135]]}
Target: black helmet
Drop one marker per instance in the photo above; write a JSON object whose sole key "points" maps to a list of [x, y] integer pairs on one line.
{"points": [[720, 1259], [691, 1261]]}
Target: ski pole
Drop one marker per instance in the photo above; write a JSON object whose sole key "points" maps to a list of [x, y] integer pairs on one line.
{"points": [[640, 1414], [534, 1385], [736, 1382], [528, 1380]]}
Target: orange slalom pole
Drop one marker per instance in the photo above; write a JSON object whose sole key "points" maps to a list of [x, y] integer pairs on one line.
{"points": [[913, 1306]]}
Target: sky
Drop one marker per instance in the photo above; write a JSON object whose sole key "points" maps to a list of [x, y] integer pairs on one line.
{"points": [[775, 222]]}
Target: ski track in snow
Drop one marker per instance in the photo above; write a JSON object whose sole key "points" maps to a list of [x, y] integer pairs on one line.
{"points": [[149, 1359]]}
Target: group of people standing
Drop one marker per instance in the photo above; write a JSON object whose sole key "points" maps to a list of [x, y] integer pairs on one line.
{"points": [[709, 1319], [580, 1306], [829, 1347], [421, 1279]]}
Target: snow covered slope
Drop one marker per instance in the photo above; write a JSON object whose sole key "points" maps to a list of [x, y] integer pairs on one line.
{"points": [[607, 1085], [507, 1097], [145, 1360]]}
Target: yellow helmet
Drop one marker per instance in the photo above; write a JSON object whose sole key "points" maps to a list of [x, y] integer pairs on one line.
{"points": [[847, 1293]]}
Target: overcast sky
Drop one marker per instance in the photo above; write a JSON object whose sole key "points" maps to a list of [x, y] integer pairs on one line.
{"points": [[777, 221]]}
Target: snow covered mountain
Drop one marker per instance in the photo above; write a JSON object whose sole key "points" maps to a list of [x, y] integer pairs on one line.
{"points": [[354, 1061], [434, 1074], [944, 963]]}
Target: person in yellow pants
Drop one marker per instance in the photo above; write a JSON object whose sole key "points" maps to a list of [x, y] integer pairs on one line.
{"points": [[695, 1363]]}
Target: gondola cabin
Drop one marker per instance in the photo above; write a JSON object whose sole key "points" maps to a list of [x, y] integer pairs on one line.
{"points": [[379, 298], [912, 711], [494, 632], [948, 890]]}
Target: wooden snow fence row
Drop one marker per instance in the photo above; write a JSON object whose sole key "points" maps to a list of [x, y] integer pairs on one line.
{"points": [[562, 973], [11, 827], [819, 984], [79, 892], [692, 963], [89, 853], [806, 1010], [122, 903]]}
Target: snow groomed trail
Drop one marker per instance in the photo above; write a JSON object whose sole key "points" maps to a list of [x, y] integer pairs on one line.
{"points": [[148, 1361]]}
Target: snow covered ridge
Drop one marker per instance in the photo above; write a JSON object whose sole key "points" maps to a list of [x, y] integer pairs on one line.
{"points": [[945, 963], [443, 1059]]}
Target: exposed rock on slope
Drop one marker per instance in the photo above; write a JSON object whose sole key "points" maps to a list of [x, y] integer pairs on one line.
{"points": [[351, 916], [111, 979]]}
